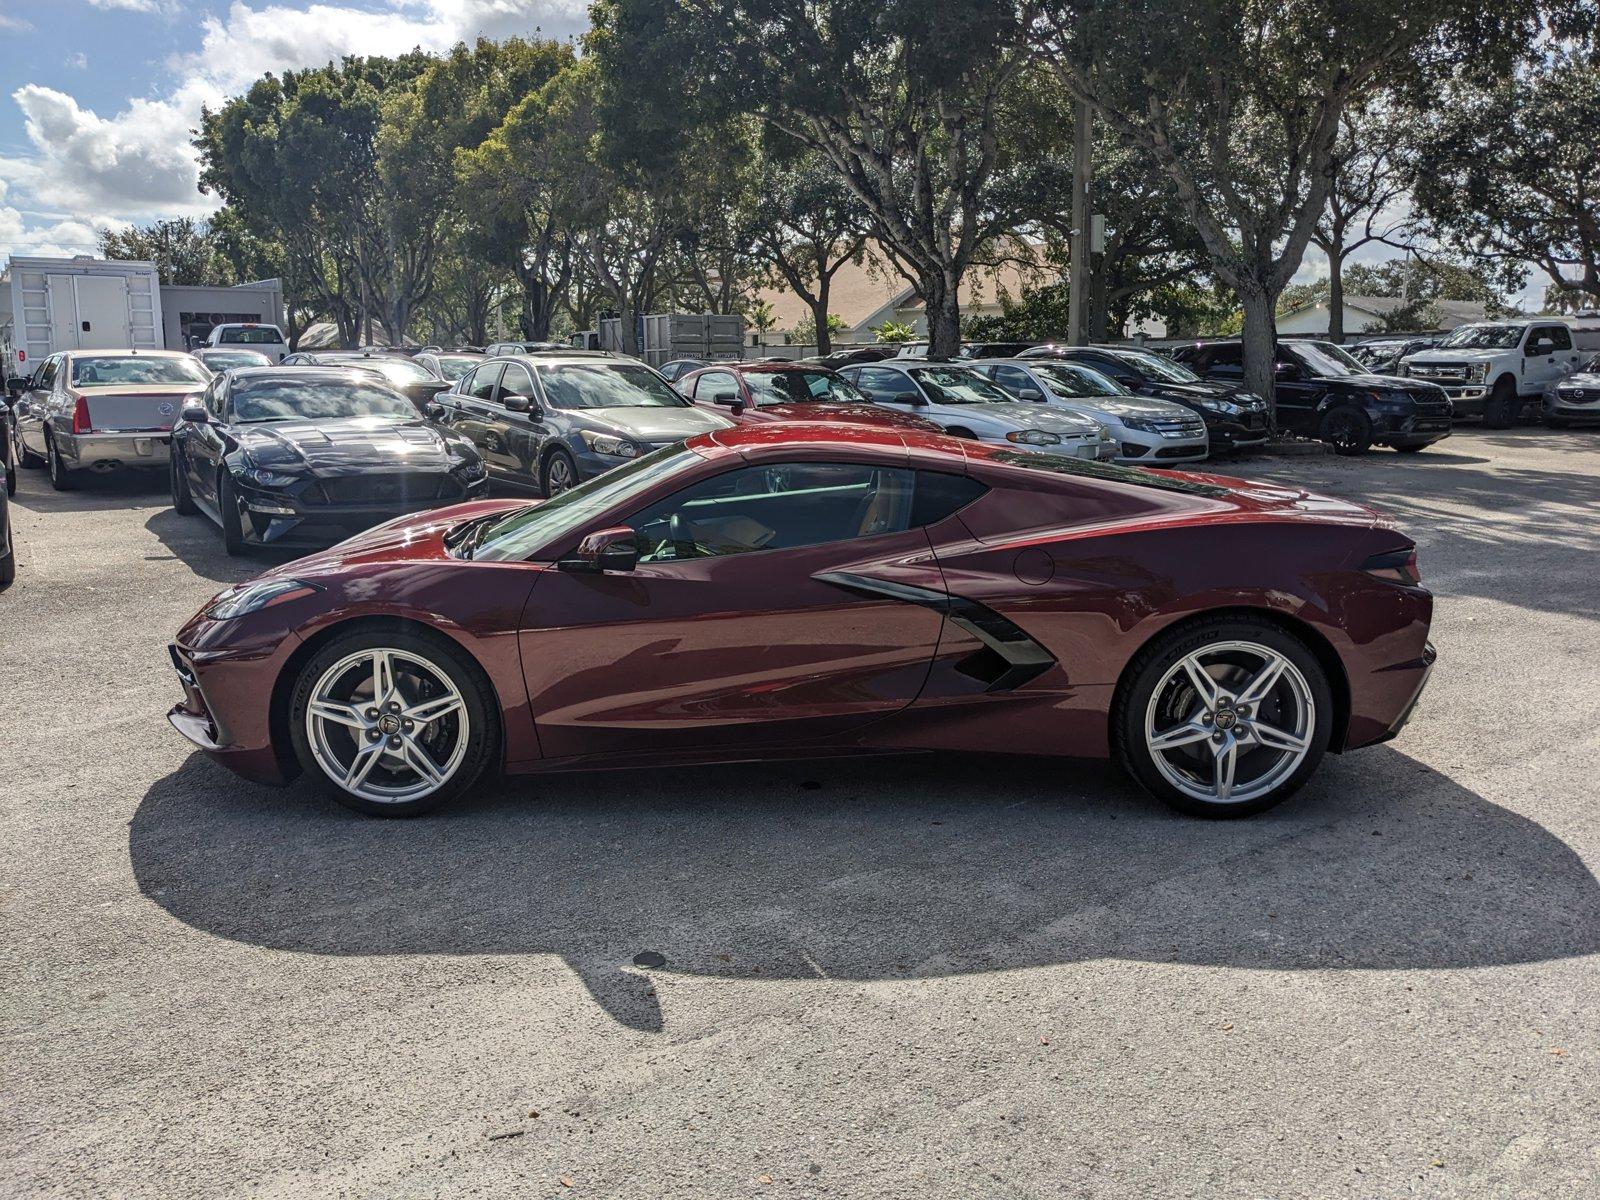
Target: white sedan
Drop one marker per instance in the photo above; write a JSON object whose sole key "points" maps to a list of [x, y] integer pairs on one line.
{"points": [[965, 403]]}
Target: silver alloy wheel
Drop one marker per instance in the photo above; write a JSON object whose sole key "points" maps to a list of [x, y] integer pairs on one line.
{"points": [[1230, 722], [387, 725], [558, 476]]}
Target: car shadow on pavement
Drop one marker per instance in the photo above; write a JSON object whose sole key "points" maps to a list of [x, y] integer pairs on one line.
{"points": [[878, 869], [197, 542], [91, 492]]}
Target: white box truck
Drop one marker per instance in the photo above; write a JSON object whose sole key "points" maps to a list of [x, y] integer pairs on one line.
{"points": [[81, 303]]}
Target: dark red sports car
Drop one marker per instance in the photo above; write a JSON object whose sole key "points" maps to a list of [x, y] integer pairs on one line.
{"points": [[802, 590]]}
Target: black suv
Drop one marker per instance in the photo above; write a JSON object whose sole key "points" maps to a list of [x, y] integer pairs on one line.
{"points": [[1235, 419], [1325, 393]]}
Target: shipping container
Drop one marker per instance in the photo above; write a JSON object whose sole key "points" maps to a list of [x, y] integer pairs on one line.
{"points": [[81, 303]]}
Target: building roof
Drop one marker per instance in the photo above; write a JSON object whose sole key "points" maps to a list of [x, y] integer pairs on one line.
{"points": [[1451, 312]]}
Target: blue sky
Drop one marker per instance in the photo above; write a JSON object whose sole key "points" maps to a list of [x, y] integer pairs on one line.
{"points": [[99, 96]]}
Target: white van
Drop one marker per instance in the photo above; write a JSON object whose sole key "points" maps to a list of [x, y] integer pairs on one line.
{"points": [[251, 335]]}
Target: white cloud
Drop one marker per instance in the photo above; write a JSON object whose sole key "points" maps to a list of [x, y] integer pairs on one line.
{"points": [[138, 164], [14, 24], [80, 60]]}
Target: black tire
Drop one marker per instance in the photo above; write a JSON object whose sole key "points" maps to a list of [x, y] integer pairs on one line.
{"points": [[1151, 666], [182, 498], [1558, 422], [559, 460], [8, 562], [1347, 429], [443, 655], [62, 478], [228, 514], [1500, 409]]}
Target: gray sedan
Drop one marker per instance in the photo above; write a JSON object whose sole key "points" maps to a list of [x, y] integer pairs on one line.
{"points": [[103, 410], [1574, 399], [549, 421]]}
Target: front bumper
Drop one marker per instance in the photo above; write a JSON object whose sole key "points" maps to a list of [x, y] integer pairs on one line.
{"points": [[247, 751], [110, 451], [1415, 430], [277, 518], [1566, 409], [1236, 433]]}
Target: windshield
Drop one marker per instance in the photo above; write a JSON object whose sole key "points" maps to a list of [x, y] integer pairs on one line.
{"points": [[453, 367], [395, 370], [1067, 380], [608, 385], [129, 368], [800, 387], [1156, 367], [1483, 337], [956, 385], [223, 359], [518, 536], [320, 399], [260, 336], [1325, 359]]}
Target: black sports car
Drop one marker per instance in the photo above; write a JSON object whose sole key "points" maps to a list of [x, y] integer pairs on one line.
{"points": [[308, 456]]}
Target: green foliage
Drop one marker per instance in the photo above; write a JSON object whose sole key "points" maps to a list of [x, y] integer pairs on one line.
{"points": [[1039, 314], [183, 251], [895, 332], [1511, 166], [805, 329]]}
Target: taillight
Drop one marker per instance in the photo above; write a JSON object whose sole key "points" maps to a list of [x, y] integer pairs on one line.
{"points": [[1397, 566], [80, 417]]}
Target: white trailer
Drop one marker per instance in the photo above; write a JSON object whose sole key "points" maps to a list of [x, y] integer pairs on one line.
{"points": [[81, 303]]}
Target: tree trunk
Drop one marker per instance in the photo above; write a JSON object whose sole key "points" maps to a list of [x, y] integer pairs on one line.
{"points": [[819, 314], [1336, 294], [1260, 339], [944, 317]]}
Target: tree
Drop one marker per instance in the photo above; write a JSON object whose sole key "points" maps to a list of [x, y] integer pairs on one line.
{"points": [[895, 331], [808, 333], [1372, 170], [891, 96], [1510, 170], [183, 250], [1239, 104], [1039, 314], [808, 225]]}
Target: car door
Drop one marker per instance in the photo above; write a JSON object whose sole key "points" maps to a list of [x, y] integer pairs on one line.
{"points": [[514, 432], [717, 387], [740, 625], [205, 444], [1297, 393], [1556, 355], [471, 404], [34, 404]]}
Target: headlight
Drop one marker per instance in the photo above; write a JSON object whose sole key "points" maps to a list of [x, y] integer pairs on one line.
{"points": [[1226, 408], [605, 443], [470, 470], [1391, 399], [1105, 434], [1142, 424], [1034, 437], [264, 477], [251, 597], [1478, 372]]}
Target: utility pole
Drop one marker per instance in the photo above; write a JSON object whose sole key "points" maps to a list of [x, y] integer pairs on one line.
{"points": [[1078, 282]]}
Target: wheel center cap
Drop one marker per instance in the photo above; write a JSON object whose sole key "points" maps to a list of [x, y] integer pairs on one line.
{"points": [[1226, 719], [388, 724]]}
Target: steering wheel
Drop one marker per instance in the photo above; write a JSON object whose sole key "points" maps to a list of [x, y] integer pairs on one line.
{"points": [[681, 535]]}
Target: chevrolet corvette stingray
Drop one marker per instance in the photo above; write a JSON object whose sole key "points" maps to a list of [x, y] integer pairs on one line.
{"points": [[793, 590]]}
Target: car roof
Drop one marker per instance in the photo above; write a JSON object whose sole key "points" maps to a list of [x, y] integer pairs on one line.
{"points": [[131, 352], [301, 373]]}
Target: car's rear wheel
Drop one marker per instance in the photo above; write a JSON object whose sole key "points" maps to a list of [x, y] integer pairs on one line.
{"points": [[228, 513], [1500, 410], [182, 500], [393, 723], [1347, 429], [61, 478], [560, 473], [1223, 718]]}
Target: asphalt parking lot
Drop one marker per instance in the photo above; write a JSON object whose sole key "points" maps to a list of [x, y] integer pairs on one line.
{"points": [[914, 977]]}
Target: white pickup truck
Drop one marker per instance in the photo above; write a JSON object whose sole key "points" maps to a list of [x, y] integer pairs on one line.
{"points": [[1493, 369]]}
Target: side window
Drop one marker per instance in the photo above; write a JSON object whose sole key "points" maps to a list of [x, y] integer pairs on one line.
{"points": [[1559, 336], [517, 382], [714, 383], [1114, 367], [884, 385], [1013, 379], [47, 374], [775, 508], [938, 495], [480, 384], [213, 397]]}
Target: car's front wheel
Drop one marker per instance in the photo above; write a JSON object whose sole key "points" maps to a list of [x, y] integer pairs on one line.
{"points": [[391, 723], [1347, 429], [1223, 718], [182, 499], [560, 473], [230, 516], [1500, 411]]}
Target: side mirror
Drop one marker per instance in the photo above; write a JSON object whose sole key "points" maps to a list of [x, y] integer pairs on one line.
{"points": [[725, 397], [1538, 349], [435, 412], [604, 550], [516, 404], [194, 412], [1029, 393], [1285, 370], [17, 383]]}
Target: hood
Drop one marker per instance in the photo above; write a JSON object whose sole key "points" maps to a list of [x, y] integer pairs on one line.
{"points": [[1456, 356], [352, 445], [1042, 416], [844, 412], [1201, 390], [656, 424], [1580, 379], [1121, 408]]}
